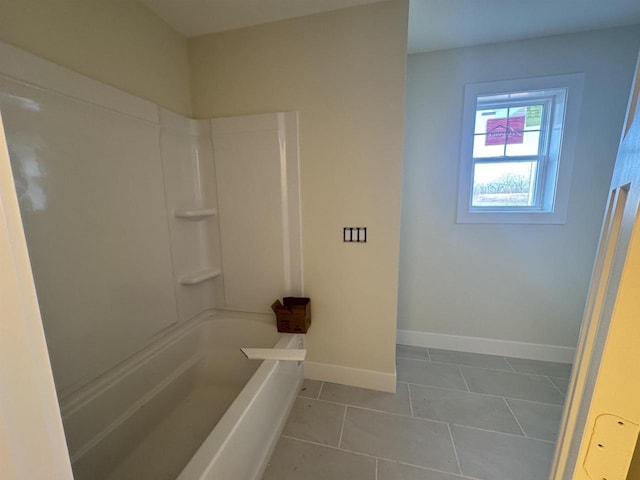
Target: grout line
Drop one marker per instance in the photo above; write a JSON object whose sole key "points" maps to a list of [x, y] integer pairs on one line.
{"points": [[507, 371], [320, 390], [556, 387], [410, 401], [504, 433], [509, 363], [463, 379], [494, 395], [475, 366], [382, 412], [344, 418], [455, 450], [333, 447], [388, 459], [447, 388], [516, 418], [561, 405], [424, 360], [397, 414]]}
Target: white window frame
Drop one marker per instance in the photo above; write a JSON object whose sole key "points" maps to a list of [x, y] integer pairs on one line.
{"points": [[556, 174]]}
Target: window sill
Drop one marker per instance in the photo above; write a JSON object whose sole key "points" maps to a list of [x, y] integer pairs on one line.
{"points": [[535, 218]]}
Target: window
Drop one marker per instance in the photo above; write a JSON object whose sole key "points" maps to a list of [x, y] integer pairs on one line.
{"points": [[517, 151]]}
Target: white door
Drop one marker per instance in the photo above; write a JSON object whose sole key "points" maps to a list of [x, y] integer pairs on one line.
{"points": [[32, 443], [601, 421]]}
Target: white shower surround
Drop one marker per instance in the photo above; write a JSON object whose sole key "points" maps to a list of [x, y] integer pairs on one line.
{"points": [[184, 276]]}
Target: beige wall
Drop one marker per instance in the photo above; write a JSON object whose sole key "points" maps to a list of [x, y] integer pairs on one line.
{"points": [[523, 283], [344, 72], [120, 43]]}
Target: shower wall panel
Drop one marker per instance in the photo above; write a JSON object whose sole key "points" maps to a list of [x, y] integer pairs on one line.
{"points": [[90, 185], [190, 185], [257, 167]]}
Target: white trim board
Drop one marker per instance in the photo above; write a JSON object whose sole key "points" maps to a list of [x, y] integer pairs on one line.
{"points": [[506, 348], [355, 377]]}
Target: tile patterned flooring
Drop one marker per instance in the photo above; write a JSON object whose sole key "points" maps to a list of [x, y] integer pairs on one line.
{"points": [[455, 416]]}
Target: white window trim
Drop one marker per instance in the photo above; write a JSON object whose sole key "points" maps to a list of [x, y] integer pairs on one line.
{"points": [[558, 214]]}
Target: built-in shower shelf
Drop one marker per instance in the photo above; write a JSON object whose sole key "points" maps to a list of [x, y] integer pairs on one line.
{"points": [[200, 276], [195, 213]]}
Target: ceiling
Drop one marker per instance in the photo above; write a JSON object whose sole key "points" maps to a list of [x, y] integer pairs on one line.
{"points": [[433, 24], [199, 17]]}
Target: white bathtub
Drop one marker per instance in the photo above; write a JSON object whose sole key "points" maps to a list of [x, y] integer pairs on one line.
{"points": [[190, 406]]}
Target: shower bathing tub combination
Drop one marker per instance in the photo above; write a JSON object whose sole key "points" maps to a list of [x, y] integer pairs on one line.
{"points": [[142, 228]]}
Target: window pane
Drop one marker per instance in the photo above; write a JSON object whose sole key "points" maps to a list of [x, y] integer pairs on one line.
{"points": [[484, 116], [529, 145], [482, 148], [504, 184], [498, 128], [533, 117]]}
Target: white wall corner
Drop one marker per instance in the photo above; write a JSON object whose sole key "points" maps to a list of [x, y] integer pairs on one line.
{"points": [[490, 346], [355, 377]]}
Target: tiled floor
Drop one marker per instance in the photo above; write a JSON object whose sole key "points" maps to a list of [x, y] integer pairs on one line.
{"points": [[455, 416]]}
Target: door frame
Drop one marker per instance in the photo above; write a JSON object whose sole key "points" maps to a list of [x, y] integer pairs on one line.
{"points": [[590, 369]]}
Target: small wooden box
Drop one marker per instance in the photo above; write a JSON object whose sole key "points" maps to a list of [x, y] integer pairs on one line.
{"points": [[294, 316]]}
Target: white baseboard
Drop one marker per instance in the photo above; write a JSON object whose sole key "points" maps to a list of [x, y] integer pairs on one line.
{"points": [[506, 348], [356, 377]]}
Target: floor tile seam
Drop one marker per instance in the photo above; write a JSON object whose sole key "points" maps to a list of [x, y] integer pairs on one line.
{"points": [[493, 395], [474, 366], [344, 417], [351, 405], [455, 450], [507, 371], [504, 433], [561, 405], [506, 359], [459, 365], [480, 428], [410, 401], [549, 362], [442, 388], [429, 469], [534, 401], [412, 358], [463, 379], [386, 459], [543, 374], [556, 387], [416, 359], [436, 362], [401, 415], [393, 460], [509, 367], [514, 417], [320, 390], [332, 447]]}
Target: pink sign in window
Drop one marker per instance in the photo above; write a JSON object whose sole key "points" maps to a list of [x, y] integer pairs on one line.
{"points": [[500, 133]]}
